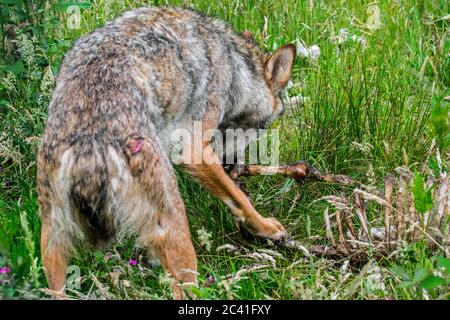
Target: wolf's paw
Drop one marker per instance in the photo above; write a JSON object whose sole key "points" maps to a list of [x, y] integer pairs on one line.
{"points": [[55, 295], [270, 228]]}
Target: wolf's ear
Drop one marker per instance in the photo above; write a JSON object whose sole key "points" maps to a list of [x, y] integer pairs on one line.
{"points": [[278, 67]]}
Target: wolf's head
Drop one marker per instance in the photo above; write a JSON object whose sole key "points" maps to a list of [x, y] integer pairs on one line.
{"points": [[263, 97], [265, 104]]}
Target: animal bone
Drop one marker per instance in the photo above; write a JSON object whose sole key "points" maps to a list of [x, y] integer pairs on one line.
{"points": [[300, 171]]}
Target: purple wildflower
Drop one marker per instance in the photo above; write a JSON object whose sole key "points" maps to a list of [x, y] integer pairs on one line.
{"points": [[132, 262], [5, 270]]}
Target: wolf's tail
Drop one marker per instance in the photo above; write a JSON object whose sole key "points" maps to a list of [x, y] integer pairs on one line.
{"points": [[88, 172]]}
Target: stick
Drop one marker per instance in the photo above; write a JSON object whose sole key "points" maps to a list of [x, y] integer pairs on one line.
{"points": [[388, 186], [348, 221], [361, 212], [342, 245], [443, 192], [412, 217], [348, 217], [300, 171], [401, 201], [326, 218]]}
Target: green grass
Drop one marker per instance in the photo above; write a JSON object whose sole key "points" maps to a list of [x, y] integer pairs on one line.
{"points": [[386, 96]]}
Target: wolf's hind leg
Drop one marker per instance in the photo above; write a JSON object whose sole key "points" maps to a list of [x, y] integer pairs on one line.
{"points": [[165, 232], [176, 252], [56, 220], [54, 259]]}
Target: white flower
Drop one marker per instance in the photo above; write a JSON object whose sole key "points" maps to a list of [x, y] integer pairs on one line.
{"points": [[8, 150], [302, 50], [26, 49], [344, 36], [205, 238], [46, 87], [314, 52], [47, 81], [164, 279], [364, 147], [9, 81], [360, 40]]}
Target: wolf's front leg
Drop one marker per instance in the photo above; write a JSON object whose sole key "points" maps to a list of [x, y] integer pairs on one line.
{"points": [[212, 175]]}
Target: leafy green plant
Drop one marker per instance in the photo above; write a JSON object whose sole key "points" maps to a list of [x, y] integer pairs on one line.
{"points": [[420, 273], [423, 198]]}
